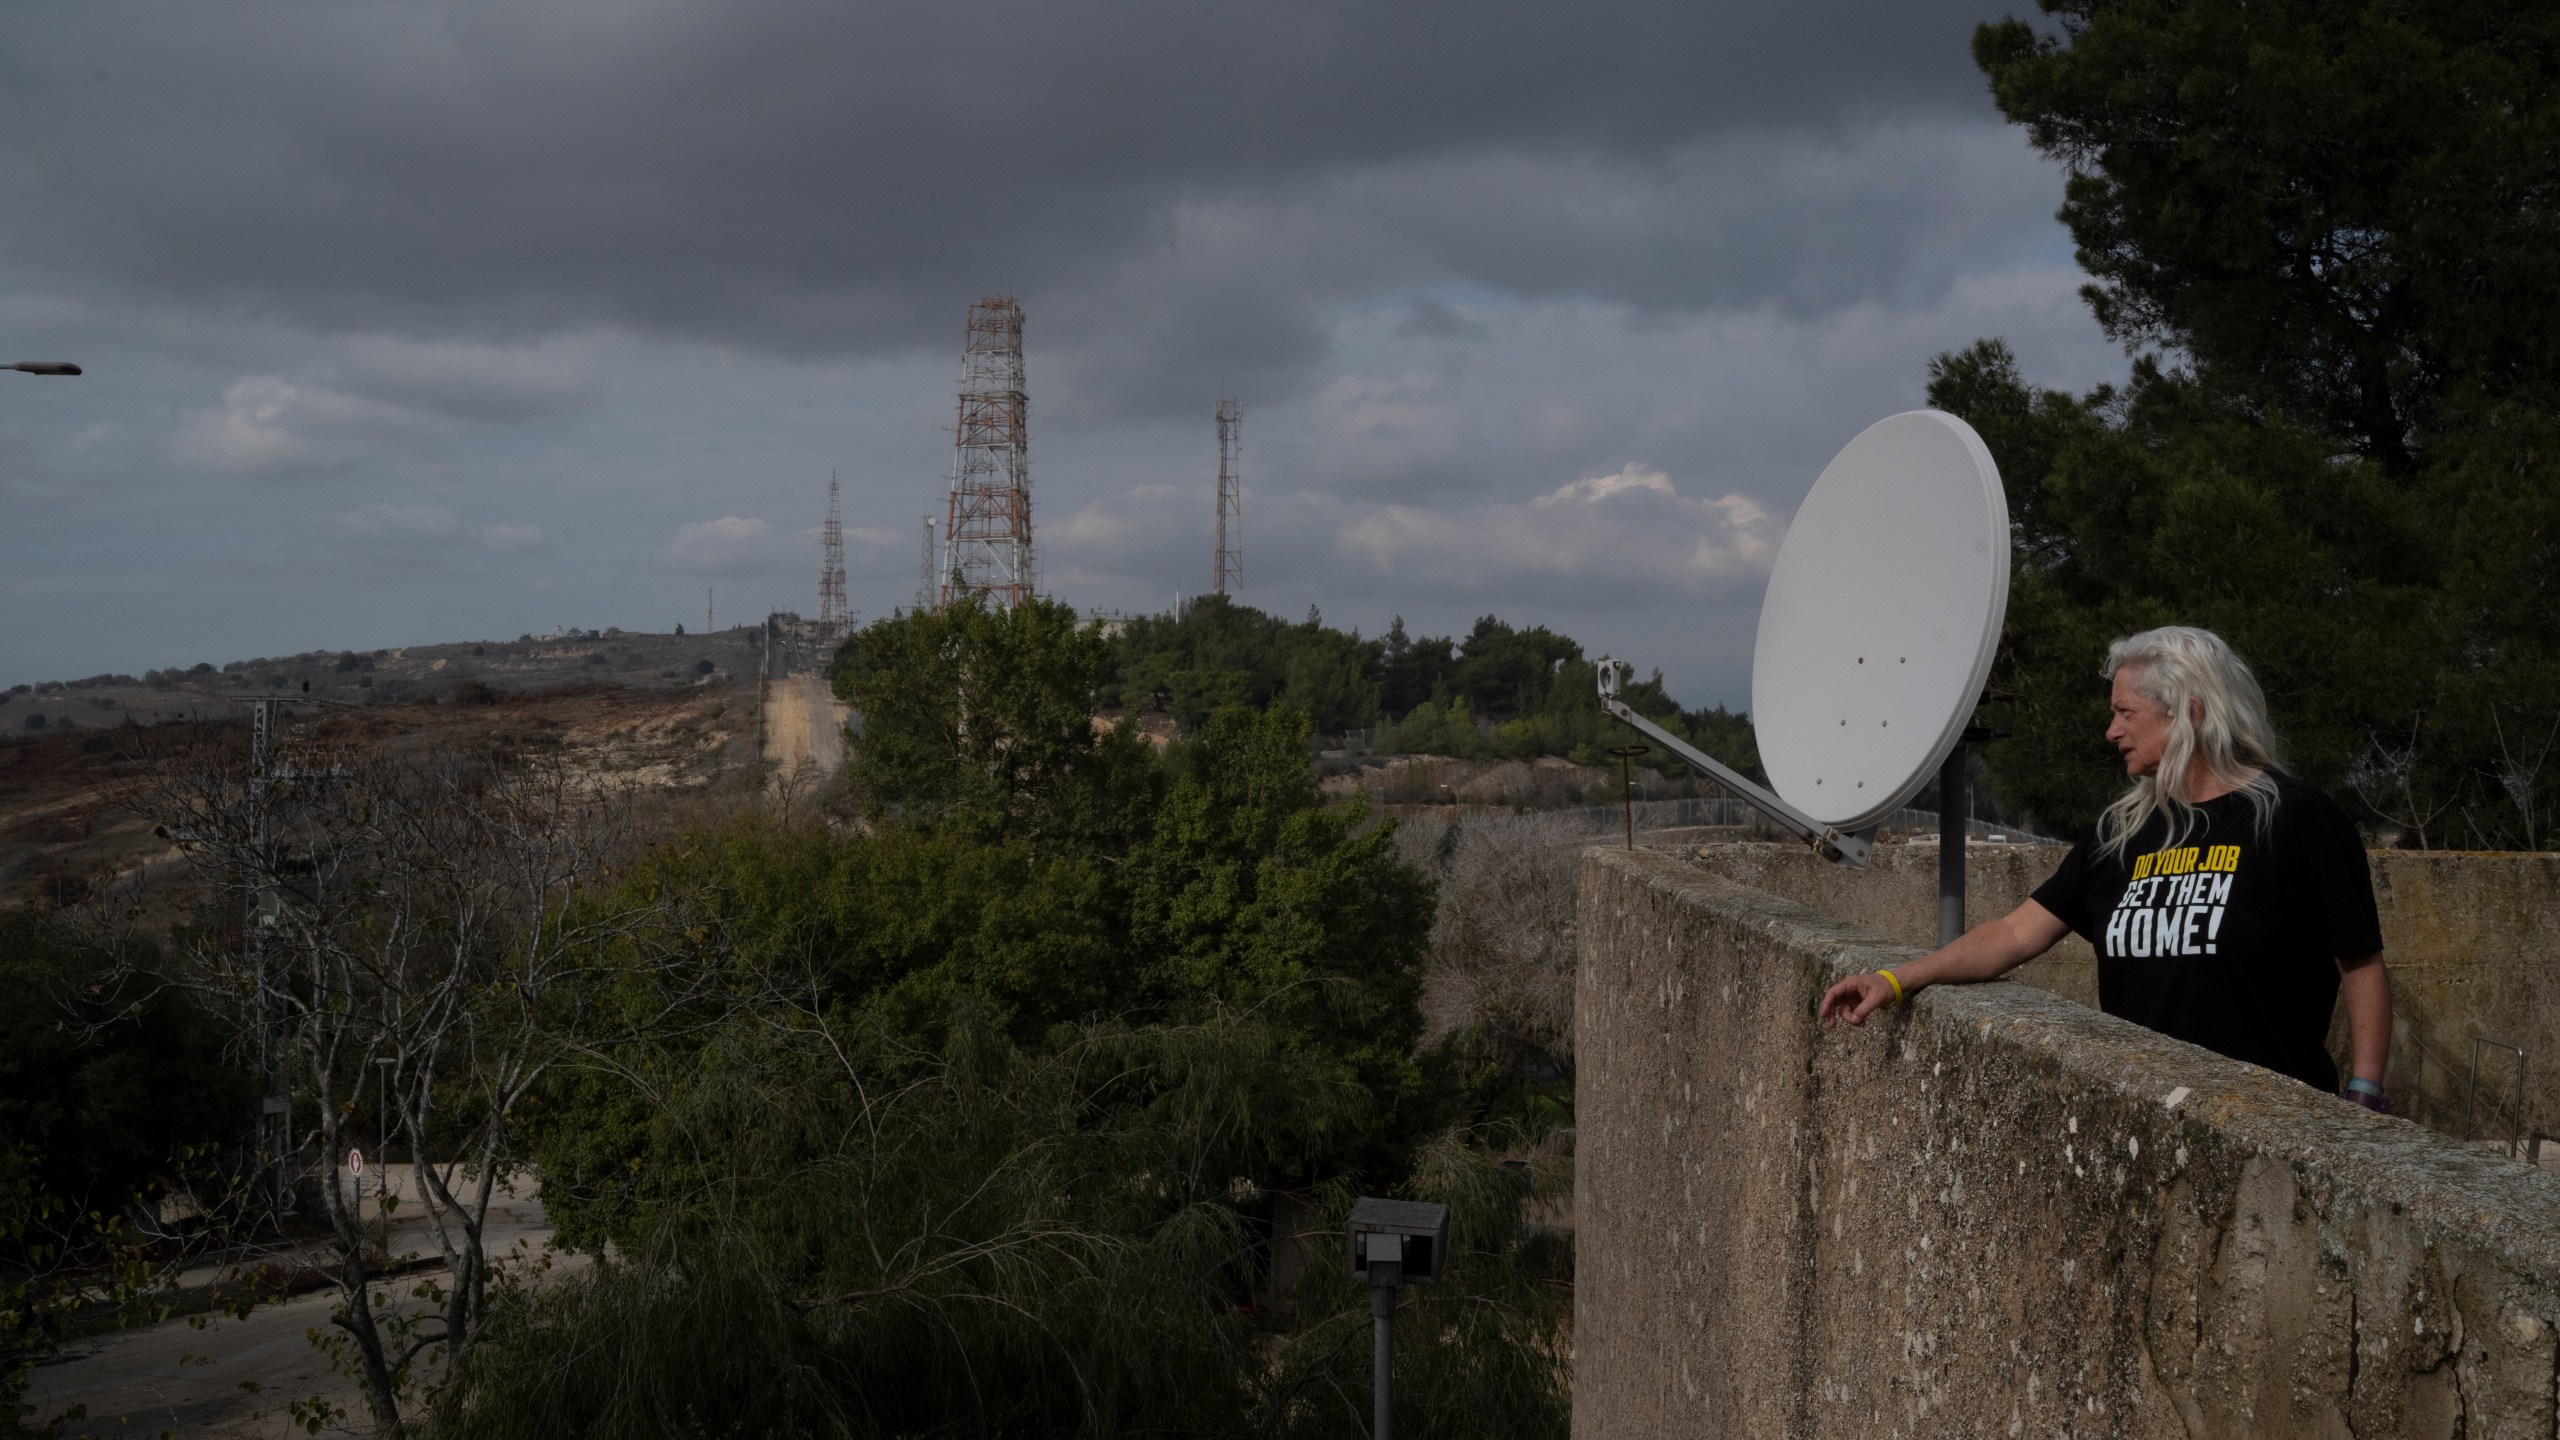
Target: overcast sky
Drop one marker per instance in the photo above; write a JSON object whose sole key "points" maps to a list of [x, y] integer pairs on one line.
{"points": [[423, 321]]}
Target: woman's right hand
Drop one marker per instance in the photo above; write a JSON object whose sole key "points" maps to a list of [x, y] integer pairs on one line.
{"points": [[1854, 999]]}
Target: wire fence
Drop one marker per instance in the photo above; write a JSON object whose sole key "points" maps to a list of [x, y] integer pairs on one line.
{"points": [[1726, 812]]}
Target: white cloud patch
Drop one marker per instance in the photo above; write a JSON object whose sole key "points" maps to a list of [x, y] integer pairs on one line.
{"points": [[732, 544], [263, 426], [1632, 527]]}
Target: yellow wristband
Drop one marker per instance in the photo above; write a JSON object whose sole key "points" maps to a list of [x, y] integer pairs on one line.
{"points": [[1895, 981]]}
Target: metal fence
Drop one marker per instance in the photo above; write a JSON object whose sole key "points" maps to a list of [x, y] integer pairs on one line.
{"points": [[1727, 812]]}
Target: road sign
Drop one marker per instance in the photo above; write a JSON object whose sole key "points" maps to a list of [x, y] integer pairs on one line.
{"points": [[355, 1162]]}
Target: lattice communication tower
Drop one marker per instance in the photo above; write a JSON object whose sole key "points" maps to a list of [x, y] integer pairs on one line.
{"points": [[834, 619], [1227, 576], [986, 541]]}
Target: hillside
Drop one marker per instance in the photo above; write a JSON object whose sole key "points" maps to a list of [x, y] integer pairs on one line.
{"points": [[395, 676], [62, 823]]}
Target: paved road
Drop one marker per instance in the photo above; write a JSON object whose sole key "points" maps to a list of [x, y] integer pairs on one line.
{"points": [[189, 1380]]}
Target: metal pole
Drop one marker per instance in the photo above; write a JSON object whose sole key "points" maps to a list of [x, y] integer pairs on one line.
{"points": [[382, 1187], [1951, 839], [1626, 783], [1382, 1313], [275, 1121], [1627, 795]]}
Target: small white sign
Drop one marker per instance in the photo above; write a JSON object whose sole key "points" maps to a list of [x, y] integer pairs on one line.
{"points": [[355, 1162]]}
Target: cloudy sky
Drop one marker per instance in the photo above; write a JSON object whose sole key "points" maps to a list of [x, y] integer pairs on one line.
{"points": [[442, 319]]}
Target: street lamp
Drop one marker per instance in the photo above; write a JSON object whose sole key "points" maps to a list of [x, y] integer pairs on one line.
{"points": [[1393, 1243], [46, 367]]}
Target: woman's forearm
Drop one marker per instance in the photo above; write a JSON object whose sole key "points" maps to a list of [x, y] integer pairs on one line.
{"points": [[2365, 988], [1987, 951]]}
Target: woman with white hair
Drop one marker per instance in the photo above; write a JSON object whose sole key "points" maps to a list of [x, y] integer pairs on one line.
{"points": [[2229, 903]]}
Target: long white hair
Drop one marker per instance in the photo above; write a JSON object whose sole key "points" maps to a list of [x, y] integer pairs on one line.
{"points": [[2175, 667]]}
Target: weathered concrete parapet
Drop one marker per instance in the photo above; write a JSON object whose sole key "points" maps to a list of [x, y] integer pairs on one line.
{"points": [[1996, 1212], [2473, 939]]}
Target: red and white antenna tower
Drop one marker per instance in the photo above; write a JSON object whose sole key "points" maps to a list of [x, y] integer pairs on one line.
{"points": [[833, 618], [986, 542], [1228, 575]]}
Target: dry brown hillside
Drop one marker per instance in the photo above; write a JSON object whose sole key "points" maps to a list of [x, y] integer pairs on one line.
{"points": [[61, 825]]}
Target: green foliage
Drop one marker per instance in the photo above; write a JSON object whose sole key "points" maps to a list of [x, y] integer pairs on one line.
{"points": [[985, 713], [984, 1238], [106, 1092], [1009, 1089], [895, 1240], [1482, 1353], [1218, 653], [2351, 474], [106, 1103], [2325, 205], [1502, 693], [1252, 896]]}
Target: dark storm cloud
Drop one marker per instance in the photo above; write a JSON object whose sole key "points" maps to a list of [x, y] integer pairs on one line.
{"points": [[829, 178]]}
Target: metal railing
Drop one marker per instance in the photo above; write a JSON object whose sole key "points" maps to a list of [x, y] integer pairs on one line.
{"points": [[1719, 811]]}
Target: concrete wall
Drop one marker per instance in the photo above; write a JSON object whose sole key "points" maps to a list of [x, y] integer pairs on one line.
{"points": [[1995, 1212], [2473, 941]]}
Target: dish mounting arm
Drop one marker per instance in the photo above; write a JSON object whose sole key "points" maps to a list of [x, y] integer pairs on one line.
{"points": [[1840, 847]]}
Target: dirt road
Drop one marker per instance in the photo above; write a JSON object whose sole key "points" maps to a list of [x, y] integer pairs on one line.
{"points": [[803, 730]]}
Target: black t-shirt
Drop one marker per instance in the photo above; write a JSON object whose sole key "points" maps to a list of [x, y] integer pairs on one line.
{"points": [[2229, 938]]}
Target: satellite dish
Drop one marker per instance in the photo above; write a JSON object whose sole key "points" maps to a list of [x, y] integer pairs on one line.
{"points": [[1878, 630], [1882, 616]]}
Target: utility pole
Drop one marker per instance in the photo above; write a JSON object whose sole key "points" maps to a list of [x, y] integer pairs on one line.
{"points": [[275, 1108], [1227, 573]]}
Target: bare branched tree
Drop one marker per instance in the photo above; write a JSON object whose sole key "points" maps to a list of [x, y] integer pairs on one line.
{"points": [[2386, 779], [445, 926], [1501, 958], [2519, 773]]}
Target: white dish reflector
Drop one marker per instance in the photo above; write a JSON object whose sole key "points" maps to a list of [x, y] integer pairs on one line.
{"points": [[1882, 617]]}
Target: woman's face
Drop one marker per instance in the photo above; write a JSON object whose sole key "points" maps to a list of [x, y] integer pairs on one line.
{"points": [[2141, 729]]}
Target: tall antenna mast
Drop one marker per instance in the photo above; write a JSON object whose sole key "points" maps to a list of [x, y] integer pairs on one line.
{"points": [[987, 539], [926, 587], [833, 618], [1227, 575]]}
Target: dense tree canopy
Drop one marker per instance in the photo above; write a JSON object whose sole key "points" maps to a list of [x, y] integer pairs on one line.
{"points": [[2342, 212], [2336, 225], [991, 1133], [1499, 692]]}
